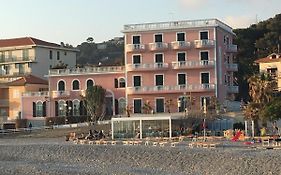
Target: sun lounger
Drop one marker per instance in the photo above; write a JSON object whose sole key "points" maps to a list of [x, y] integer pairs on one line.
{"points": [[173, 144], [162, 144], [113, 142]]}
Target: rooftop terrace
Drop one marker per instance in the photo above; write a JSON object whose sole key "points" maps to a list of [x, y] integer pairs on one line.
{"points": [[176, 25]]}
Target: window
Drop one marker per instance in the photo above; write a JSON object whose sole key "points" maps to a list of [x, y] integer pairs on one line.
{"points": [[90, 83], [136, 59], [158, 38], [61, 86], [39, 109], [181, 56], [204, 56], [121, 105], [159, 105], [159, 58], [65, 53], [136, 39], [75, 85], [137, 105], [6, 69], [62, 108], [122, 83], [205, 78], [76, 107], [159, 80], [25, 54], [51, 55], [204, 35], [181, 79], [137, 81], [180, 36], [58, 55]]}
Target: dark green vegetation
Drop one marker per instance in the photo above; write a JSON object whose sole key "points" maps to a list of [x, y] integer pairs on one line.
{"points": [[107, 53], [257, 41]]}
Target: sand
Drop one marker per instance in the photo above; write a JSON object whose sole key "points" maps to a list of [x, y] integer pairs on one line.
{"points": [[28, 156]]}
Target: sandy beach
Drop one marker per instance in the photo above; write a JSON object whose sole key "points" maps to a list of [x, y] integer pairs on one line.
{"points": [[54, 156]]}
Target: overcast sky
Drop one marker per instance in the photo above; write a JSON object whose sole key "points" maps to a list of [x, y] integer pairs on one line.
{"points": [[73, 21]]}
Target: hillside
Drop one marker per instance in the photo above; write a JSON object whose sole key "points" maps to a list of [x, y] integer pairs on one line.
{"points": [[256, 41]]}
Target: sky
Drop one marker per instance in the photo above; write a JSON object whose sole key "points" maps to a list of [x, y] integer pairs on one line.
{"points": [[73, 21]]}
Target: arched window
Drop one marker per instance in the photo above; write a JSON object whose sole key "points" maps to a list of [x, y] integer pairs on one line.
{"points": [[90, 83], [62, 108], [76, 107], [121, 106], [122, 83], [61, 86], [75, 85], [39, 109]]}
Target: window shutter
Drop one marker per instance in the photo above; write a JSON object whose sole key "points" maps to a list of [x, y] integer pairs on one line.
{"points": [[44, 109], [34, 109], [56, 108], [115, 83]]}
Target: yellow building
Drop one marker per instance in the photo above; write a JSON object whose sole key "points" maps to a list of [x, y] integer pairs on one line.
{"points": [[10, 95], [272, 66]]}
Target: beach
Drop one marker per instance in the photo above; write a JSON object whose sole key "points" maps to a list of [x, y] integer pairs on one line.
{"points": [[54, 156]]}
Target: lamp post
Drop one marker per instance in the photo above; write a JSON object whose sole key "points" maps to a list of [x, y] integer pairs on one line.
{"points": [[205, 114]]}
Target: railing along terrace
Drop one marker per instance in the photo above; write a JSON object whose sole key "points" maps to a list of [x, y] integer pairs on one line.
{"points": [[36, 94], [16, 59], [192, 64], [176, 24], [86, 70]]}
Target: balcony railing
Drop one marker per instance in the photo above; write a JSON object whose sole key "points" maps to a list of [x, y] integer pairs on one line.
{"points": [[12, 73], [158, 46], [89, 70], [192, 64], [231, 48], [232, 67], [233, 89], [16, 59], [180, 45], [146, 67], [171, 89], [204, 43], [59, 94], [4, 102], [176, 25], [135, 47], [36, 94]]}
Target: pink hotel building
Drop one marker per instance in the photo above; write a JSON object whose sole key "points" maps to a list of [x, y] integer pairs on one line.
{"points": [[165, 63]]}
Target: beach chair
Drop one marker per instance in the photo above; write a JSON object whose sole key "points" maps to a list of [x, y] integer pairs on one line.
{"points": [[125, 142], [162, 144], [173, 144], [113, 142], [146, 143], [154, 143]]}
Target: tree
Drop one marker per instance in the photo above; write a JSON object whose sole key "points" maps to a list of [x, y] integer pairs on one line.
{"points": [[94, 100], [272, 110], [90, 39], [147, 107]]}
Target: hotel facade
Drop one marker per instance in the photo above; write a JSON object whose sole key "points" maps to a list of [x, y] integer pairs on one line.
{"points": [[169, 67]]}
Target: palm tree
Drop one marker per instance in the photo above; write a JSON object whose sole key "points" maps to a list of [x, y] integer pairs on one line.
{"points": [[260, 91]]}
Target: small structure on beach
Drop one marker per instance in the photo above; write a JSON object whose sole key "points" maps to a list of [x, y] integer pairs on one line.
{"points": [[144, 126]]}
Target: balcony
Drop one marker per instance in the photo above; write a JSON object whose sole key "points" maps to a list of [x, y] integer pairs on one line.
{"points": [[177, 45], [231, 48], [206, 43], [4, 103], [233, 89], [232, 67], [158, 46], [135, 47], [171, 89], [36, 94], [147, 67], [60, 94], [193, 64], [16, 59], [15, 74], [86, 70]]}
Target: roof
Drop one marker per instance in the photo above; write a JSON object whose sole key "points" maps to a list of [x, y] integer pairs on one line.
{"points": [[29, 79], [25, 41], [269, 58]]}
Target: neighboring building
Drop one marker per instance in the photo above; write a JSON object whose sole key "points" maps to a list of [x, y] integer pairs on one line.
{"points": [[66, 87], [271, 65], [165, 64], [10, 95], [24, 56], [174, 60]]}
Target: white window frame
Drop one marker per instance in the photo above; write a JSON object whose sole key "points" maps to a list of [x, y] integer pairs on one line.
{"points": [[185, 58], [203, 31], [163, 79], [155, 104], [79, 85], [201, 77], [181, 32], [158, 34], [64, 84], [132, 38], [133, 83], [134, 104], [178, 78], [87, 81]]}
